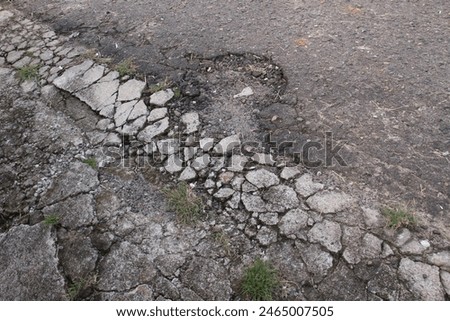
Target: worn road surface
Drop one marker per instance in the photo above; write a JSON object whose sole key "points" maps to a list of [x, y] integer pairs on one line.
{"points": [[375, 74]]}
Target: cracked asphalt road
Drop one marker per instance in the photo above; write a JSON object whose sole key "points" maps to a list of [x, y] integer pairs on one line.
{"points": [[376, 74]]}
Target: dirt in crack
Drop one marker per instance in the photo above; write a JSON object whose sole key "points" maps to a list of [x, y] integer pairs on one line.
{"points": [[231, 90]]}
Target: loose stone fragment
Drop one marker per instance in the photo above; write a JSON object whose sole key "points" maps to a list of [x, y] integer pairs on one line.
{"points": [[422, 279], [157, 114], [160, 98], [227, 144], [328, 202], [131, 90], [262, 178], [289, 172], [206, 144], [224, 193], [191, 121], [328, 234], [188, 174], [305, 186], [154, 130]]}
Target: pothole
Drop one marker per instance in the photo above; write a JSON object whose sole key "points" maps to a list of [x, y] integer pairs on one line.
{"points": [[229, 92]]}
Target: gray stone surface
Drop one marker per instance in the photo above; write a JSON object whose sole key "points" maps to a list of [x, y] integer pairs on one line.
{"points": [[445, 278], [151, 131], [74, 212], [289, 172], [292, 222], [134, 127], [305, 186], [125, 267], [262, 178], [113, 242], [89, 77], [77, 256], [166, 288], [282, 198], [14, 56], [328, 202], [139, 110], [168, 146], [192, 122], [227, 144], [368, 247], [253, 203], [328, 234], [224, 193], [263, 159], [266, 236], [157, 114], [112, 139], [403, 236], [46, 55], [173, 164], [5, 15], [383, 283], [188, 174], [99, 95], [269, 218], [317, 262], [122, 112], [29, 265], [413, 247], [441, 259], [422, 279], [373, 218], [342, 285], [131, 90], [189, 152], [160, 98], [140, 293], [169, 264], [248, 187], [237, 163], [234, 201], [206, 144], [72, 75], [201, 162], [79, 178], [208, 279]]}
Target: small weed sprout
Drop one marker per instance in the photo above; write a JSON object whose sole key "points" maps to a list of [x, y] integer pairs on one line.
{"points": [[51, 220], [95, 56], [91, 162], [177, 92], [126, 67], [222, 239], [162, 85], [28, 72], [185, 203], [260, 282], [398, 217], [75, 289]]}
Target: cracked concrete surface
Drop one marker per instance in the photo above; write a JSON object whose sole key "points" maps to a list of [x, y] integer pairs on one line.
{"points": [[115, 238]]}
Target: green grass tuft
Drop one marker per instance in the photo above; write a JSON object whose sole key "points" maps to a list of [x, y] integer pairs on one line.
{"points": [[75, 289], [185, 203], [28, 73], [51, 220], [126, 67], [398, 218], [177, 92], [91, 162], [260, 282]]}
